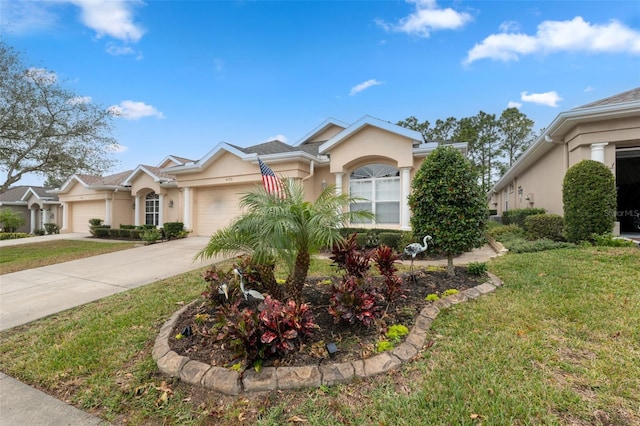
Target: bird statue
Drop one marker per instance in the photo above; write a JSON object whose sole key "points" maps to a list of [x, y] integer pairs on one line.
{"points": [[414, 249], [224, 289], [249, 295]]}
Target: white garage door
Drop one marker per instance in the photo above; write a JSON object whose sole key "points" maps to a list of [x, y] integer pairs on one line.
{"points": [[216, 208], [82, 211]]}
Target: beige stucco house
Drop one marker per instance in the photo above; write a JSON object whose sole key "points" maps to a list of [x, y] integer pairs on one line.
{"points": [[370, 158], [34, 204], [607, 130]]}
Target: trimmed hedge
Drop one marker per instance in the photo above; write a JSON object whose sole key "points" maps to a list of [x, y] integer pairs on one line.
{"points": [[518, 216], [545, 226], [589, 197], [13, 235]]}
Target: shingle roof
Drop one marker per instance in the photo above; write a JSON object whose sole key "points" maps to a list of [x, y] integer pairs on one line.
{"points": [[628, 96], [159, 172], [279, 147], [115, 179], [17, 192]]}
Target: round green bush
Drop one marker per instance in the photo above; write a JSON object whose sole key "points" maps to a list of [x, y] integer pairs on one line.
{"points": [[589, 197], [549, 226]]}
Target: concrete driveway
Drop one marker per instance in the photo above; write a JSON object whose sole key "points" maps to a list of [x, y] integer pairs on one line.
{"points": [[36, 293]]}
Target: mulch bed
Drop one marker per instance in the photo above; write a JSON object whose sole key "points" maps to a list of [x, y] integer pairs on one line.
{"points": [[353, 342]]}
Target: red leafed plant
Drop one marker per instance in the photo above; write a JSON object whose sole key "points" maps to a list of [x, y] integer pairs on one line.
{"points": [[241, 328], [385, 259], [283, 326], [354, 300], [350, 258]]}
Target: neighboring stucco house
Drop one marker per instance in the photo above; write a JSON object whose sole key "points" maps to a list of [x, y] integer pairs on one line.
{"points": [[34, 204], [370, 158], [607, 130]]}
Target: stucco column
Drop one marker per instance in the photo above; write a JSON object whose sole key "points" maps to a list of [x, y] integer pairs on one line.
{"points": [[597, 151], [405, 184], [187, 208], [136, 212], [65, 216], [339, 183], [161, 212], [33, 221], [107, 213]]}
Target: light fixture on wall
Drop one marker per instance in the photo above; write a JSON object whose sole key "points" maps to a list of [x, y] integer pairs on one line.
{"points": [[170, 203], [324, 184]]}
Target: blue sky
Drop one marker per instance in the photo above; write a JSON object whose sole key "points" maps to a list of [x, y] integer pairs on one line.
{"points": [[186, 75]]}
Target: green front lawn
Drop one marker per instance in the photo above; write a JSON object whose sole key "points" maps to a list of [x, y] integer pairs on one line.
{"points": [[559, 343], [34, 255]]}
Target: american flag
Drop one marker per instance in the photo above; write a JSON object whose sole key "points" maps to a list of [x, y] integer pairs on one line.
{"points": [[271, 182]]}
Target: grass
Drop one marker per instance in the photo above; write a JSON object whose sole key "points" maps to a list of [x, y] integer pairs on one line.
{"points": [[33, 255], [559, 343]]}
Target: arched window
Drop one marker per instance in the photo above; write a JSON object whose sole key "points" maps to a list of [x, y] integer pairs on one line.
{"points": [[379, 185], [151, 209]]}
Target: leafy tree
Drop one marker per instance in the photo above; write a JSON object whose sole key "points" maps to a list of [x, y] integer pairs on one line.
{"points": [[287, 229], [516, 131], [443, 130], [45, 128], [413, 124], [589, 197], [10, 220], [483, 150], [448, 203]]}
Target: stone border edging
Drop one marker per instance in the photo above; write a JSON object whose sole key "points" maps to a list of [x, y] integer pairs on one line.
{"points": [[232, 382]]}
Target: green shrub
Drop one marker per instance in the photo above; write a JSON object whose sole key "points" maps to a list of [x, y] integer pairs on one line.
{"points": [[127, 226], [51, 228], [114, 233], [10, 220], [477, 268], [100, 232], [13, 235], [518, 216], [391, 239], [589, 197], [125, 233], [150, 235], [525, 246], [501, 232], [38, 231], [173, 229], [610, 240], [95, 222], [361, 240], [549, 226], [384, 345], [135, 234]]}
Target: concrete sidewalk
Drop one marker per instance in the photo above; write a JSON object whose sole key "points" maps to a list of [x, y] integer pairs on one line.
{"points": [[37, 293]]}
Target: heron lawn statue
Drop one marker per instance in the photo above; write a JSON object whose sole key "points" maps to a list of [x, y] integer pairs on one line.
{"points": [[414, 249]]}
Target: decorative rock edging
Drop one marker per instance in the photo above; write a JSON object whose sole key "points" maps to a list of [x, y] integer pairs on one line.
{"points": [[232, 382]]}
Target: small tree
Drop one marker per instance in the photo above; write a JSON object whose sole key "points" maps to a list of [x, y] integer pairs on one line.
{"points": [[10, 220], [47, 129], [589, 197], [447, 203]]}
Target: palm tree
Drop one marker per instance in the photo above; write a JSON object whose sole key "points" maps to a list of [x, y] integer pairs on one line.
{"points": [[287, 229]]}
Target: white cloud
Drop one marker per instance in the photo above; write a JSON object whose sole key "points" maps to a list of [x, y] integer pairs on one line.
{"points": [[509, 26], [115, 50], [363, 86], [41, 75], [575, 35], [113, 18], [117, 148], [589, 89], [427, 17], [278, 137], [131, 110], [514, 104], [80, 100], [548, 98]]}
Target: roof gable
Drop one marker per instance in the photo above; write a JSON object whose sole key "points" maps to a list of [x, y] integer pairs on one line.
{"points": [[368, 121], [156, 173], [321, 128]]}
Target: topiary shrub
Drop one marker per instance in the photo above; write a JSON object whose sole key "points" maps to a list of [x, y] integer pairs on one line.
{"points": [[518, 216], [51, 228], [549, 226], [173, 229], [391, 239], [589, 197]]}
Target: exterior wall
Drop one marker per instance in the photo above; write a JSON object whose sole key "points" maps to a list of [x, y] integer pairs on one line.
{"points": [[352, 153], [121, 211]]}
